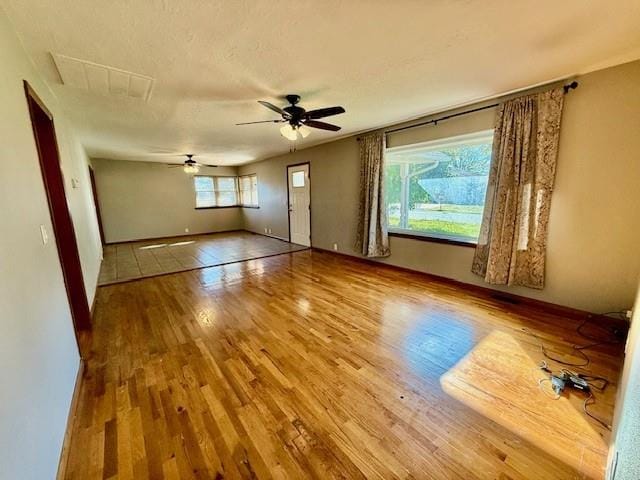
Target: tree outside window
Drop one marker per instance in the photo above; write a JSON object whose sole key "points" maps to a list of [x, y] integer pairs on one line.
{"points": [[438, 188]]}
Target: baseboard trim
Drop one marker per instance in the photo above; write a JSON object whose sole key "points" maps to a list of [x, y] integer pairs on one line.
{"points": [[71, 419], [482, 291], [270, 236], [154, 239]]}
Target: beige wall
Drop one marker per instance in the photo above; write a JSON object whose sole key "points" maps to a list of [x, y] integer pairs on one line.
{"points": [[334, 186], [38, 351], [595, 213], [149, 200]]}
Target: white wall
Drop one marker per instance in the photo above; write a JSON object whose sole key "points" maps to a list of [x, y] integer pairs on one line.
{"points": [[592, 262], [625, 443], [149, 200], [38, 353], [75, 165]]}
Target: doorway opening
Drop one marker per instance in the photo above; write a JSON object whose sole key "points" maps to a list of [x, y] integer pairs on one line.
{"points": [[94, 191], [299, 201], [65, 238]]}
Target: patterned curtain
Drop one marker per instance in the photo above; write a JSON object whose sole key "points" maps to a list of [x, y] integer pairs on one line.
{"points": [[372, 239], [513, 237]]}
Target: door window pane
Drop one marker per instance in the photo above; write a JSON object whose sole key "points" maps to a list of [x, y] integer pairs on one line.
{"points": [[297, 179]]}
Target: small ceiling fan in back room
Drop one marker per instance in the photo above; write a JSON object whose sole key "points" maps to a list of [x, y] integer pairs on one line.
{"points": [[298, 120], [190, 165]]}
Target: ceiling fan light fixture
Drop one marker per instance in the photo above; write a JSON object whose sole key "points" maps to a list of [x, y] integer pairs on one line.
{"points": [[289, 132], [191, 169], [304, 131]]}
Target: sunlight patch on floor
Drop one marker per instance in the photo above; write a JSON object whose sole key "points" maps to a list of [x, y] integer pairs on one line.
{"points": [[499, 380], [177, 244], [151, 247]]}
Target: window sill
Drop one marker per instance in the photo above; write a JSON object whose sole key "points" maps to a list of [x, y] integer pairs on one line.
{"points": [[227, 206], [433, 239], [212, 208]]}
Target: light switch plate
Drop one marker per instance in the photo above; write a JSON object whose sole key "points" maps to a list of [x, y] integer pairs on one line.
{"points": [[44, 234]]}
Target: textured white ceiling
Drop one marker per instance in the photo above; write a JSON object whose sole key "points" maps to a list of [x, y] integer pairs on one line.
{"points": [[384, 61]]}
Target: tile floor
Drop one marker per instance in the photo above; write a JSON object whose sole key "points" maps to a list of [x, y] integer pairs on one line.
{"points": [[128, 261]]}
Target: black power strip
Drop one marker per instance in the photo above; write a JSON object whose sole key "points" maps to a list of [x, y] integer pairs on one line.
{"points": [[567, 380]]}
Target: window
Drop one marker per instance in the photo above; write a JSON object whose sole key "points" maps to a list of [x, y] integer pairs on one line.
{"points": [[297, 179], [215, 191], [249, 190], [437, 189]]}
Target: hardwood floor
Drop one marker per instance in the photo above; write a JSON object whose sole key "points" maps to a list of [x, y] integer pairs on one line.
{"points": [[310, 365]]}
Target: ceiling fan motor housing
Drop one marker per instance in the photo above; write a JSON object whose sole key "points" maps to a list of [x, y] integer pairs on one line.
{"points": [[292, 98], [297, 117], [296, 113]]}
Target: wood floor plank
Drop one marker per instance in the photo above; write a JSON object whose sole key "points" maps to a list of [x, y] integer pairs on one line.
{"points": [[310, 365]]}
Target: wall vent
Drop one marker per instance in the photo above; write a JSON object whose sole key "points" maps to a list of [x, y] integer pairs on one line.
{"points": [[102, 79]]}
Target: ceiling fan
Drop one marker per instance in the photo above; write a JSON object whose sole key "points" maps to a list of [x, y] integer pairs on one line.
{"points": [[190, 165], [298, 119]]}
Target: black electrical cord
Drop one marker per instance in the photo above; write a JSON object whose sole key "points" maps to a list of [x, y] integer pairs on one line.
{"points": [[587, 320], [579, 348], [590, 400], [586, 360], [599, 383], [595, 382]]}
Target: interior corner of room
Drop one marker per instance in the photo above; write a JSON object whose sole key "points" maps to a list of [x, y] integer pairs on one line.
{"points": [[205, 274]]}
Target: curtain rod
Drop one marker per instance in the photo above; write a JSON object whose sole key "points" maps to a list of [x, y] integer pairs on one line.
{"points": [[571, 86]]}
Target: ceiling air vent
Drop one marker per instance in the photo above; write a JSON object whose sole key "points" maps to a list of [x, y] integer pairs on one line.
{"points": [[102, 79]]}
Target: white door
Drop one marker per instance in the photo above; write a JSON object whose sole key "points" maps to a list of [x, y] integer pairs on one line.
{"points": [[299, 205]]}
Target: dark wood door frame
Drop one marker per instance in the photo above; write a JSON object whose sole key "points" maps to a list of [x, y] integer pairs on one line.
{"points": [[65, 238], [94, 190]]}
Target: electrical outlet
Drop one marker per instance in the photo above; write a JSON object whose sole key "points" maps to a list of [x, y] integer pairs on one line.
{"points": [[186, 230], [335, 247], [44, 234]]}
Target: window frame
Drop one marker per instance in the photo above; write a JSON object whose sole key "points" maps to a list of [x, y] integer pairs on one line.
{"points": [[440, 142], [240, 196], [215, 191]]}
